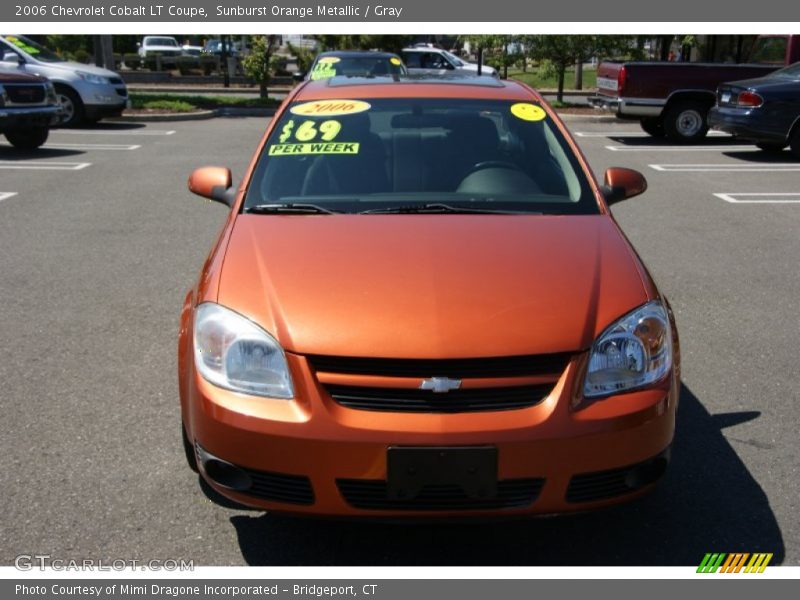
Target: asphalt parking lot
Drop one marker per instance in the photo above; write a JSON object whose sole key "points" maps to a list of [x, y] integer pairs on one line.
{"points": [[100, 239]]}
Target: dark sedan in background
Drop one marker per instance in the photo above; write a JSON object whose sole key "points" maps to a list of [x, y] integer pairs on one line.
{"points": [[765, 111]]}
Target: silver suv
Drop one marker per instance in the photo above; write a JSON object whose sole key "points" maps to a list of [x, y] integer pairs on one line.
{"points": [[426, 59], [87, 93]]}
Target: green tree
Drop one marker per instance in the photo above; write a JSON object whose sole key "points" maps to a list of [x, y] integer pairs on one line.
{"points": [[260, 64], [500, 51]]}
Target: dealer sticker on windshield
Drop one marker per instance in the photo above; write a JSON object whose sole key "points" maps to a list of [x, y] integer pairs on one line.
{"points": [[527, 111], [330, 108], [317, 148]]}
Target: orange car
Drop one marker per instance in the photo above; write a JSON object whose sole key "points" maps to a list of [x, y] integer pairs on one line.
{"points": [[421, 306]]}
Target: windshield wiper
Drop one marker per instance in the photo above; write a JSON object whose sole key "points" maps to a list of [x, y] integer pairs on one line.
{"points": [[440, 208], [290, 208]]}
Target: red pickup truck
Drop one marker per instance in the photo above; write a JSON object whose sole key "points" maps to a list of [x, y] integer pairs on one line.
{"points": [[672, 99]]}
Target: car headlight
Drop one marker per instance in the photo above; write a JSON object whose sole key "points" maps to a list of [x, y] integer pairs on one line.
{"points": [[91, 77], [50, 91], [234, 353], [633, 352]]}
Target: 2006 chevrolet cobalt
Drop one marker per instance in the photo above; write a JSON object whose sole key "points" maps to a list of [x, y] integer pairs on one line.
{"points": [[420, 305]]}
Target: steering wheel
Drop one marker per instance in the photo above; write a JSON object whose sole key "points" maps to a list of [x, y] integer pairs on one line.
{"points": [[494, 164]]}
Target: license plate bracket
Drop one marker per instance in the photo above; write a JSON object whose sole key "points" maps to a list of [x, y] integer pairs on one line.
{"points": [[472, 468]]}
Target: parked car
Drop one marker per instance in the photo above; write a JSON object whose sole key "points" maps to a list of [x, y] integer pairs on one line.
{"points": [[215, 47], [426, 59], [160, 44], [28, 108], [420, 305], [673, 98], [765, 110], [86, 92], [353, 64], [189, 50]]}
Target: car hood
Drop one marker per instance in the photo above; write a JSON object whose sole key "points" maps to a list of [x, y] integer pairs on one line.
{"points": [[474, 67], [72, 66], [430, 286], [162, 49]]}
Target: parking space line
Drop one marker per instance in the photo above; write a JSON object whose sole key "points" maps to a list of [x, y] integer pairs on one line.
{"points": [[114, 132], [5, 195], [761, 197], [68, 146], [678, 148], [638, 134], [44, 165], [736, 167]]}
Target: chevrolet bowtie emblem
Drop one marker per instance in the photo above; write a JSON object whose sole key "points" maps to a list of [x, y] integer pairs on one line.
{"points": [[440, 385]]}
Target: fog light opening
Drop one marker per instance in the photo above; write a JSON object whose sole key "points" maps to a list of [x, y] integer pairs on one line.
{"points": [[222, 472], [647, 473]]}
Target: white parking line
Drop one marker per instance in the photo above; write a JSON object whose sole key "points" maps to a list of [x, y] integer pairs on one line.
{"points": [[114, 131], [44, 165], [761, 197], [678, 148], [5, 195], [68, 146], [642, 134], [736, 167]]}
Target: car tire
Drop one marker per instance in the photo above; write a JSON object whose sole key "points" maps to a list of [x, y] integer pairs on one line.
{"points": [[771, 148], [188, 449], [72, 104], [686, 122], [653, 126], [27, 139], [794, 143]]}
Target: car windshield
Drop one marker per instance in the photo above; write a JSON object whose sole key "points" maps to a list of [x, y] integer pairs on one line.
{"points": [[377, 154], [161, 41], [34, 49], [356, 66], [454, 59], [790, 72]]}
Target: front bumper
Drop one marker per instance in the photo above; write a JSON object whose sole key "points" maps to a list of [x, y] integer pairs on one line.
{"points": [[312, 455], [747, 124], [25, 118]]}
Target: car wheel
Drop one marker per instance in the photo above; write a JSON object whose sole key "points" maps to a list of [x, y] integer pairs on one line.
{"points": [[72, 104], [686, 122], [794, 143], [772, 148], [27, 139], [188, 449], [653, 125]]}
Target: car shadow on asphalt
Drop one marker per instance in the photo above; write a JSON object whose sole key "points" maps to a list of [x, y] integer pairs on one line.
{"points": [[11, 153], [655, 142], [708, 502], [764, 157]]}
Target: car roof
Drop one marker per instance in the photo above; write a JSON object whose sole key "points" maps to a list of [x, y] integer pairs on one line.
{"points": [[357, 53], [416, 86]]}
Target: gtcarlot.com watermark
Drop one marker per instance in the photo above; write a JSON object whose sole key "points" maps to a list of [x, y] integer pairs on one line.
{"points": [[30, 562]]}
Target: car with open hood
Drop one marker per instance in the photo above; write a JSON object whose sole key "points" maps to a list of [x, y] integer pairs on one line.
{"points": [[420, 305]]}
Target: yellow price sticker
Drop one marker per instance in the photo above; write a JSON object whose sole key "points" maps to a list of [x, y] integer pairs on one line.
{"points": [[330, 108], [527, 111], [314, 148], [395, 61], [328, 60]]}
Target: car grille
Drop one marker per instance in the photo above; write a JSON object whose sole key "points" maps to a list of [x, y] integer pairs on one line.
{"points": [[602, 485], [373, 495], [25, 94], [415, 400], [505, 366], [292, 489], [122, 92]]}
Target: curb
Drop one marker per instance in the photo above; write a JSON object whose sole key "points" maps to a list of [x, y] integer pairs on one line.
{"points": [[192, 116]]}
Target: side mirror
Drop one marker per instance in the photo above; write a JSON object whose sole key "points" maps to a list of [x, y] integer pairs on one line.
{"points": [[621, 184], [299, 75], [11, 57], [214, 183]]}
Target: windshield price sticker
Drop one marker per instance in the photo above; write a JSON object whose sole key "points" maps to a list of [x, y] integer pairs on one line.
{"points": [[527, 111], [395, 61], [318, 148], [308, 131], [330, 108], [328, 60]]}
